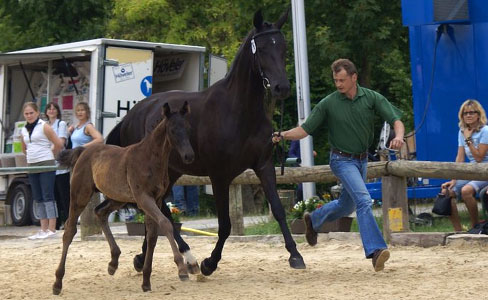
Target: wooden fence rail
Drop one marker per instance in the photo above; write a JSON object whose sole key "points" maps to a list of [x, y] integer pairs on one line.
{"points": [[400, 168]]}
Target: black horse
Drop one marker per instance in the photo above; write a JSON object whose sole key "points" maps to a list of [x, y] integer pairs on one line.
{"points": [[230, 131]]}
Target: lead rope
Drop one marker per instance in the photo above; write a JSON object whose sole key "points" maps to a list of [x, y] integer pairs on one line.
{"points": [[282, 150], [283, 155]]}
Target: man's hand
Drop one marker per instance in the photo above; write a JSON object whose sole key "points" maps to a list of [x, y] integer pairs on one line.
{"points": [[396, 143], [276, 137]]}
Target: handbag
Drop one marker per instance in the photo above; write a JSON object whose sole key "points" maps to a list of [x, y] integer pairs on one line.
{"points": [[442, 204]]}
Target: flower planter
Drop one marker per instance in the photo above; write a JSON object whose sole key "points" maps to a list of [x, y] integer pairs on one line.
{"points": [[340, 225], [139, 228]]}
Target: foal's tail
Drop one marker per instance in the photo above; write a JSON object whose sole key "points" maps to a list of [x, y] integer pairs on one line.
{"points": [[68, 158]]}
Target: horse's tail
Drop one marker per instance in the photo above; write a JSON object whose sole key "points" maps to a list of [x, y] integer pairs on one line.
{"points": [[68, 158], [113, 137]]}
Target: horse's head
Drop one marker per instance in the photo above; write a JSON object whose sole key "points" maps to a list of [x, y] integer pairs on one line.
{"points": [[269, 49], [177, 131]]}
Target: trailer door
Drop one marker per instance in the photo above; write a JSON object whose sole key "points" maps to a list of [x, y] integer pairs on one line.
{"points": [[128, 79]]}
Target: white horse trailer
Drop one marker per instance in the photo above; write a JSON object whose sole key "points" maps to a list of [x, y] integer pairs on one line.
{"points": [[110, 75]]}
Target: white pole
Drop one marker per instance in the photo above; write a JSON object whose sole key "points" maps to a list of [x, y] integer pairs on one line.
{"points": [[303, 90]]}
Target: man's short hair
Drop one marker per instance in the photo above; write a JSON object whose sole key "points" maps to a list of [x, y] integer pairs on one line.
{"points": [[344, 63]]}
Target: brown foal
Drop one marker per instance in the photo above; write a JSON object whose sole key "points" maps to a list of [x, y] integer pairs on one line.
{"points": [[135, 174]]}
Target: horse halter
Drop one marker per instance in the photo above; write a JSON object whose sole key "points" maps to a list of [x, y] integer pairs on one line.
{"points": [[254, 50]]}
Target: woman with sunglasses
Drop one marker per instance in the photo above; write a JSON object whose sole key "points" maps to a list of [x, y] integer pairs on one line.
{"points": [[473, 145]]}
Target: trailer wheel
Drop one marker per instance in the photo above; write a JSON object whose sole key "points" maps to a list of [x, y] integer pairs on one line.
{"points": [[21, 205], [34, 216]]}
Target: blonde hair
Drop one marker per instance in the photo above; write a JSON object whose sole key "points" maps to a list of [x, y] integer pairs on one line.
{"points": [[476, 107]]}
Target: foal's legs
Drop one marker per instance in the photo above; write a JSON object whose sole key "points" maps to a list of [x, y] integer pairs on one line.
{"points": [[221, 191], [102, 211], [191, 262], [80, 194], [152, 211], [267, 176]]}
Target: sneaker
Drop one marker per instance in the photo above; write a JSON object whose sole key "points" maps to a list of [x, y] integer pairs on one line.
{"points": [[39, 235], [310, 234], [380, 256], [50, 233]]}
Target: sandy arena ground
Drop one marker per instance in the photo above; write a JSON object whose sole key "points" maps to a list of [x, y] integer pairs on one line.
{"points": [[248, 270]]}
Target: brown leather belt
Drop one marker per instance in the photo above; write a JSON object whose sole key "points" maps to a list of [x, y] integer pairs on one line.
{"points": [[354, 156]]}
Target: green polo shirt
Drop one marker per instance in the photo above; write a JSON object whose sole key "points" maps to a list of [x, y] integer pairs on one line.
{"points": [[351, 122]]}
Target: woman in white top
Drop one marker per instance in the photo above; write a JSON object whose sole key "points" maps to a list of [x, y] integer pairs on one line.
{"points": [[40, 144], [61, 185]]}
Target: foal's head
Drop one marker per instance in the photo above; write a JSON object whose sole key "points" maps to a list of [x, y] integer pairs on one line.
{"points": [[177, 131]]}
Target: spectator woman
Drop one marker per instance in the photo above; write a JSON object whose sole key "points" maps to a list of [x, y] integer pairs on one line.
{"points": [[84, 134], [40, 144], [473, 144], [61, 185]]}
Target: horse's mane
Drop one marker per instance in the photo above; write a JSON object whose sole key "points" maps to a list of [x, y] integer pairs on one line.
{"points": [[246, 46]]}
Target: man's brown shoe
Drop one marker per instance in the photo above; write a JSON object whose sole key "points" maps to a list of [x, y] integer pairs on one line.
{"points": [[379, 258], [310, 234]]}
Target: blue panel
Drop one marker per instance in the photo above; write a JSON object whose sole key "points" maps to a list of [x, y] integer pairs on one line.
{"points": [[414, 192], [478, 11], [417, 12], [481, 58], [454, 81]]}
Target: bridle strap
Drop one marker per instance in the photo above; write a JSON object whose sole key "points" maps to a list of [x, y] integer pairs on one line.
{"points": [[254, 50]]}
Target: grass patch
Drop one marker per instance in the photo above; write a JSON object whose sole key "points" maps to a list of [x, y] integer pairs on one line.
{"points": [[440, 224], [265, 228]]}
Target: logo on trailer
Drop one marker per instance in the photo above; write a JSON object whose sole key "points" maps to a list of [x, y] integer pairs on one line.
{"points": [[123, 72]]}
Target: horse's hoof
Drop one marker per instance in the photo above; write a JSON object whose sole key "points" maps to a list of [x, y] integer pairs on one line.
{"points": [[111, 269], [297, 263], [146, 288], [138, 263], [56, 290], [193, 268], [206, 270], [184, 277]]}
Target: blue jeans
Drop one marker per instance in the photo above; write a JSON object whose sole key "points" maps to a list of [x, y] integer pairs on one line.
{"points": [[42, 186], [352, 173], [186, 199]]}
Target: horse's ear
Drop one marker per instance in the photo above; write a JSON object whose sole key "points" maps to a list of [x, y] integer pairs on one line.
{"points": [[258, 20], [166, 110], [185, 108], [282, 19]]}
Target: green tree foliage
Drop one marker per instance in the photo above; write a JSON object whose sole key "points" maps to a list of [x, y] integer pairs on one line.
{"points": [[198, 22], [32, 23]]}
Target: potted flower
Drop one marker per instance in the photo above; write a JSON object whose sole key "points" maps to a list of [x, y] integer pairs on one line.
{"points": [[297, 226], [175, 214], [137, 226]]}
